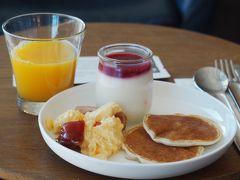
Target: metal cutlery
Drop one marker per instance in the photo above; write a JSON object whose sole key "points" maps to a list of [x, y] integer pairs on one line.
{"points": [[228, 68], [215, 82]]}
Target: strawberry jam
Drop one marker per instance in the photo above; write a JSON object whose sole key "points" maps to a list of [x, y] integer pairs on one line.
{"points": [[71, 134], [131, 65]]}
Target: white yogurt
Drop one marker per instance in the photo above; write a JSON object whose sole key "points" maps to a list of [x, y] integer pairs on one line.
{"points": [[133, 94]]}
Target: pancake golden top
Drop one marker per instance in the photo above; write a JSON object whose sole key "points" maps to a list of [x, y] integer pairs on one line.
{"points": [[177, 129], [140, 146]]}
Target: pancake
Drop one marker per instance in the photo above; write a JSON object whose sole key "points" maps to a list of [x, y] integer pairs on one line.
{"points": [[181, 130], [139, 146]]}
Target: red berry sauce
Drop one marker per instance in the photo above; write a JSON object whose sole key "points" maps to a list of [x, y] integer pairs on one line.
{"points": [[125, 69], [71, 134]]}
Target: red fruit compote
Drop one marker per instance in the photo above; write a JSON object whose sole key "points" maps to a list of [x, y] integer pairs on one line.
{"points": [[125, 77]]}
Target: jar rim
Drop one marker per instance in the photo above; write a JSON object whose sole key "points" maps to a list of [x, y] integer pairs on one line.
{"points": [[119, 48]]}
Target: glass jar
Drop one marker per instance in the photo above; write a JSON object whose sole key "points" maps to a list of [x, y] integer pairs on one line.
{"points": [[125, 77]]}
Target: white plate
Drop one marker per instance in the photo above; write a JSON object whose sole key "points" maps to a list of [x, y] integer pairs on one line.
{"points": [[168, 98]]}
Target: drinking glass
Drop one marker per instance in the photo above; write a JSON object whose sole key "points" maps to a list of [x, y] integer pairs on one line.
{"points": [[43, 48]]}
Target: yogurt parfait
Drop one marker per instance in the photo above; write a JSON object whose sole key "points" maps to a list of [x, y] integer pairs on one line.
{"points": [[125, 77]]}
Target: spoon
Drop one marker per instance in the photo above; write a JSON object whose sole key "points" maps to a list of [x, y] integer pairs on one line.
{"points": [[215, 82]]}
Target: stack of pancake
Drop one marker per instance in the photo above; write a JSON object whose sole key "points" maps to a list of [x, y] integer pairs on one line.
{"points": [[170, 138]]}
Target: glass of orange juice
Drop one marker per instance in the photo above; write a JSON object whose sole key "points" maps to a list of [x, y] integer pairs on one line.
{"points": [[43, 48]]}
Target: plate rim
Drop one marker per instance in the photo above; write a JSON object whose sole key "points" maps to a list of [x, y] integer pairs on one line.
{"points": [[139, 165]]}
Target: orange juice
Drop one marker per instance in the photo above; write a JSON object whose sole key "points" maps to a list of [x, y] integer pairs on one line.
{"points": [[43, 69]]}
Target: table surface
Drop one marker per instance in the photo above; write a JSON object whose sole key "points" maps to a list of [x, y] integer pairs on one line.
{"points": [[23, 152]]}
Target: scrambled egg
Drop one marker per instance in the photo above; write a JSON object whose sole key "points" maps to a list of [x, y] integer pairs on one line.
{"points": [[103, 135], [104, 139], [70, 115], [107, 110]]}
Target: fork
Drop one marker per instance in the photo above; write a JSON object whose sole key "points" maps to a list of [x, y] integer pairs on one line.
{"points": [[228, 68]]}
